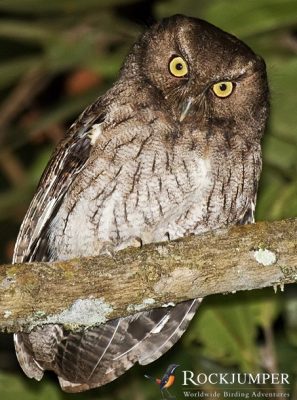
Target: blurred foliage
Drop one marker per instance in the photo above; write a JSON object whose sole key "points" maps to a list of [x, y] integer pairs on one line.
{"points": [[56, 57]]}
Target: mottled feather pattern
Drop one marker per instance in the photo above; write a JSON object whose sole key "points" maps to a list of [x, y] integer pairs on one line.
{"points": [[66, 163], [159, 156]]}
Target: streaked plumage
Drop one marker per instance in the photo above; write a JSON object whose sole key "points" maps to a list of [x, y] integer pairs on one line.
{"points": [[157, 157]]}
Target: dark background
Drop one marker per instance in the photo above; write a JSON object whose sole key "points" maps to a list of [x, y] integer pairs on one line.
{"points": [[55, 58]]}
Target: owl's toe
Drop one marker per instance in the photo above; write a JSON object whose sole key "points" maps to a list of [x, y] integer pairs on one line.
{"points": [[133, 241], [107, 249]]}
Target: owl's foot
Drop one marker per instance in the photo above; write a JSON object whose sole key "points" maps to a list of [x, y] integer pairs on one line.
{"points": [[133, 241], [107, 249]]}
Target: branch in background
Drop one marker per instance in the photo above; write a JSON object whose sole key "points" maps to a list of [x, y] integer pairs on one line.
{"points": [[12, 167], [88, 291], [27, 89]]}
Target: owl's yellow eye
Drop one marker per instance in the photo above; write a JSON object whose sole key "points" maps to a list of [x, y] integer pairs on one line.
{"points": [[178, 67], [223, 89]]}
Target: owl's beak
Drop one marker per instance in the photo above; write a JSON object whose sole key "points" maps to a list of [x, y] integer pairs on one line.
{"points": [[185, 109]]}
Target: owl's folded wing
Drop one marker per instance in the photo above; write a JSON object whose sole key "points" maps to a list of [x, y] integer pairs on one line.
{"points": [[67, 161]]}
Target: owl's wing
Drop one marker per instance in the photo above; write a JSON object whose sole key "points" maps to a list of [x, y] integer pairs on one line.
{"points": [[67, 161]]}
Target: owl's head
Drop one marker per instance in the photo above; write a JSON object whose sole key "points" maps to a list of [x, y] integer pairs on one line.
{"points": [[202, 73]]}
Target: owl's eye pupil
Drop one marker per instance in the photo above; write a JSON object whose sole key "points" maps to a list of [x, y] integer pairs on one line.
{"points": [[223, 87], [179, 66]]}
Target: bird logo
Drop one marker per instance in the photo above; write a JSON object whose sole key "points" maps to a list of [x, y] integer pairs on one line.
{"points": [[165, 382]]}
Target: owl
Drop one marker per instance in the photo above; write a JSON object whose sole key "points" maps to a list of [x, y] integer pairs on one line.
{"points": [[171, 149]]}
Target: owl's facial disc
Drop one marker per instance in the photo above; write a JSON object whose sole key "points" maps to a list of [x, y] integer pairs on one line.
{"points": [[180, 72], [198, 72]]}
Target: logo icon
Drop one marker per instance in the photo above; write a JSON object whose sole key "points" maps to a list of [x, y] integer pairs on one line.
{"points": [[165, 382]]}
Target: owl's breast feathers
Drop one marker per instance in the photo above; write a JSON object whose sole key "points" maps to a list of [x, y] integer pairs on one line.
{"points": [[132, 171], [134, 185]]}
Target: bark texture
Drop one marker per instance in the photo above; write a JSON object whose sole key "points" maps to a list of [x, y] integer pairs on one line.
{"points": [[88, 291]]}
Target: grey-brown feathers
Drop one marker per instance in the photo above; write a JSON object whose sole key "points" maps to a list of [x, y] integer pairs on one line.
{"points": [[172, 149]]}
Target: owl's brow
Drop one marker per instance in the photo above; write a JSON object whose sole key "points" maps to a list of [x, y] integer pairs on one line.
{"points": [[236, 76], [183, 51]]}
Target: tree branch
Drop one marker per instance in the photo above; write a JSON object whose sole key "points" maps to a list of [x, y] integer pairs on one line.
{"points": [[88, 291]]}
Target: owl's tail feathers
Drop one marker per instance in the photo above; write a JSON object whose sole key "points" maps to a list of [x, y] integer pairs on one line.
{"points": [[156, 345], [96, 356], [37, 350], [26, 359], [71, 387]]}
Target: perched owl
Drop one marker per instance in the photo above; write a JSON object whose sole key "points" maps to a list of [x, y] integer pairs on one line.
{"points": [[172, 149]]}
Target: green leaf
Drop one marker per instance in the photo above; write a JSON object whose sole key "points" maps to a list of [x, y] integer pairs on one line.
{"points": [[253, 16], [242, 18], [24, 31], [58, 6], [285, 205], [192, 8], [291, 318], [279, 153], [14, 387], [227, 332], [38, 166], [10, 71], [270, 186], [265, 310], [283, 84], [227, 328]]}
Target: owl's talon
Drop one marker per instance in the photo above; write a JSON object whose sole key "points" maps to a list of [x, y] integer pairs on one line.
{"points": [[136, 242], [108, 249]]}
